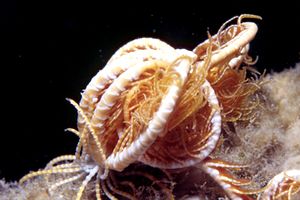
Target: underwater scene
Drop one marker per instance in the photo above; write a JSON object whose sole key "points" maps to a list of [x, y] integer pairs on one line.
{"points": [[186, 102]]}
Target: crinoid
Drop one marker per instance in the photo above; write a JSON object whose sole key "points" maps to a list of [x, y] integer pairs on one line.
{"points": [[282, 186], [164, 108]]}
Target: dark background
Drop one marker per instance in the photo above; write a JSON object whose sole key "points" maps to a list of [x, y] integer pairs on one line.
{"points": [[51, 50]]}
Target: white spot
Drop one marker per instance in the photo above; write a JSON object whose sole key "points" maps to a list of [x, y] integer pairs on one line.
{"points": [[95, 99]]}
